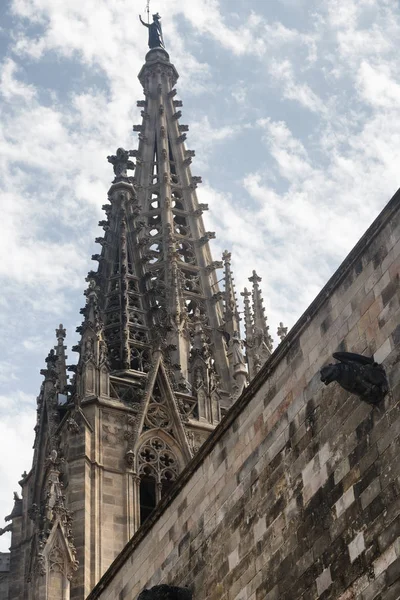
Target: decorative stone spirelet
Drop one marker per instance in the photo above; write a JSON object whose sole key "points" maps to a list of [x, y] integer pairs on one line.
{"points": [[121, 163], [282, 331], [359, 375]]}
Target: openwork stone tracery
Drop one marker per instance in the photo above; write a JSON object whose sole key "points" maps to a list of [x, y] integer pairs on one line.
{"points": [[157, 460]]}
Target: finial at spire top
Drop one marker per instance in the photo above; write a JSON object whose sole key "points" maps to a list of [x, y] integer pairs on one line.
{"points": [[60, 333], [155, 32], [255, 278], [121, 163]]}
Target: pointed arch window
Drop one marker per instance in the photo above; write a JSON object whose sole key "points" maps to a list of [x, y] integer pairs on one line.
{"points": [[158, 469], [154, 176], [148, 494]]}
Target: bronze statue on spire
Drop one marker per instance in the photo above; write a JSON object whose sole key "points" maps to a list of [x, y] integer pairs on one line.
{"points": [[155, 32]]}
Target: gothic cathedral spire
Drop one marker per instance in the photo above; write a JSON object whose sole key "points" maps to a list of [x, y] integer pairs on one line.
{"points": [[160, 362]]}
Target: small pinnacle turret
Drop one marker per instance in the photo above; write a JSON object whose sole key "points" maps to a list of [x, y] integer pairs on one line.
{"points": [[281, 331], [61, 357], [231, 311], [258, 339], [232, 328]]}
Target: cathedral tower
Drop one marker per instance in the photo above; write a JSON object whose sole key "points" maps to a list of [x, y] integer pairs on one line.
{"points": [[159, 363]]}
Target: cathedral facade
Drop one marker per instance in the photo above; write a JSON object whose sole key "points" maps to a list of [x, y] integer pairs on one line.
{"points": [[179, 454]]}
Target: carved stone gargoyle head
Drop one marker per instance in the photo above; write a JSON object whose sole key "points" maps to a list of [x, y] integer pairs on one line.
{"points": [[165, 592], [359, 375]]}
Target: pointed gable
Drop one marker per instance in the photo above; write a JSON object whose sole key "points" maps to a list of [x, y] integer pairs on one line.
{"points": [[160, 410]]}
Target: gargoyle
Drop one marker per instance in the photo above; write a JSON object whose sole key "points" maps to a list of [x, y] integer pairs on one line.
{"points": [[165, 592], [359, 375]]}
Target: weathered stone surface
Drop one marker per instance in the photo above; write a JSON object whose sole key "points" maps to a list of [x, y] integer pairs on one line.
{"points": [[324, 581], [4, 574]]}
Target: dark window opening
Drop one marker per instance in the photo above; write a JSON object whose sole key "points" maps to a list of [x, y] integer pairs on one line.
{"points": [[171, 156], [148, 499]]}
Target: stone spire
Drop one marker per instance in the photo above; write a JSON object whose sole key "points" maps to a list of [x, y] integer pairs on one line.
{"points": [[180, 274], [231, 311], [249, 333], [232, 328], [92, 371], [156, 289], [258, 339]]}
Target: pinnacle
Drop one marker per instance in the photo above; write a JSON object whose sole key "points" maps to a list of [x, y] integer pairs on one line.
{"points": [[121, 164], [60, 334], [255, 278], [282, 331]]}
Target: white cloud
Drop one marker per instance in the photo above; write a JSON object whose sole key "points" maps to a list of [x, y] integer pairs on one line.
{"points": [[10, 87], [288, 152], [205, 137], [377, 86], [7, 372], [282, 72], [17, 419]]}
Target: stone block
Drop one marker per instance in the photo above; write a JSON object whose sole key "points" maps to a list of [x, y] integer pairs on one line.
{"points": [[315, 482], [259, 529], [390, 534], [392, 433], [356, 546], [367, 302], [233, 559], [384, 560], [344, 501], [383, 351], [324, 581], [370, 493], [392, 593], [304, 563]]}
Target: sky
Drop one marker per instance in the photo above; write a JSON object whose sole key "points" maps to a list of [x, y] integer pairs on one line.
{"points": [[293, 109]]}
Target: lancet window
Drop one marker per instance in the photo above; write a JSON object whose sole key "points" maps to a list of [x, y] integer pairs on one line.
{"points": [[158, 469]]}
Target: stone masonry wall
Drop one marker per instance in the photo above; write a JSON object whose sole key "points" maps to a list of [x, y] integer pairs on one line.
{"points": [[96, 492], [4, 575], [297, 492]]}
